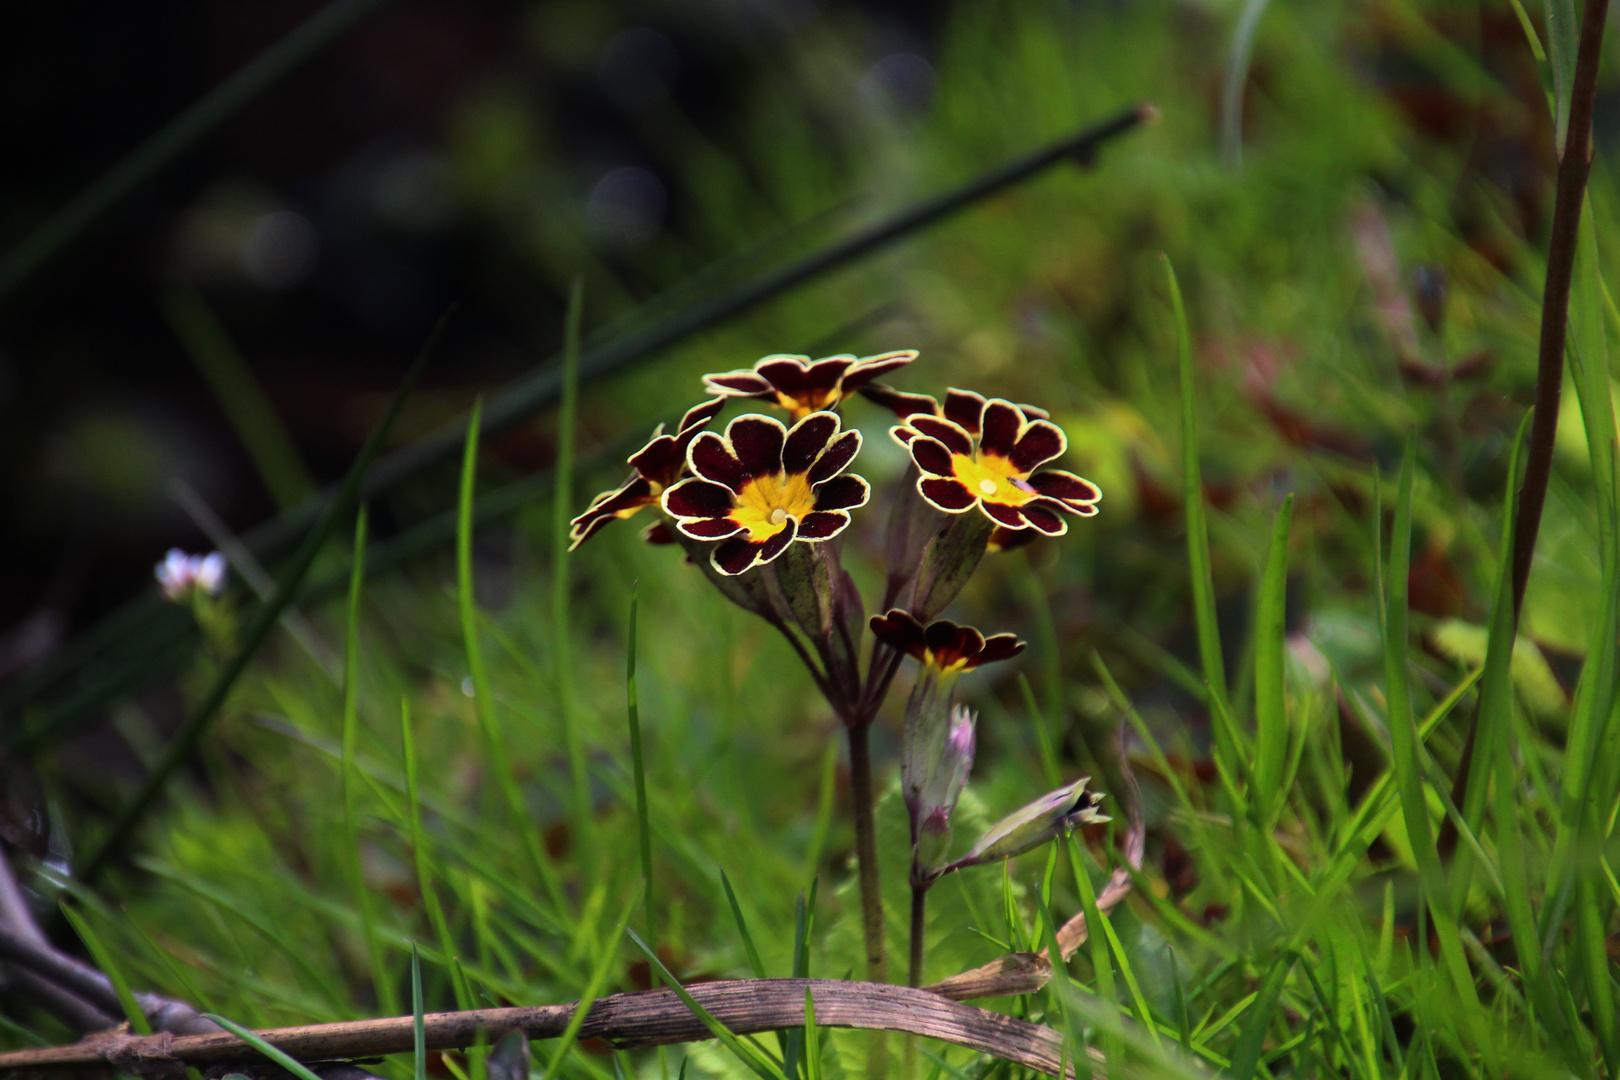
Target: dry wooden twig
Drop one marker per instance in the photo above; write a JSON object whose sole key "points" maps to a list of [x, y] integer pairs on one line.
{"points": [[745, 1006]]}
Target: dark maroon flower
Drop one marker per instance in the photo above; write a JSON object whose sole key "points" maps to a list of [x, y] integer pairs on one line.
{"points": [[763, 486], [986, 454], [943, 645], [657, 465], [802, 386]]}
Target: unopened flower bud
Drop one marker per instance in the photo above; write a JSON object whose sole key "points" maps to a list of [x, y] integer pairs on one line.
{"points": [[939, 781], [1044, 819], [180, 574]]}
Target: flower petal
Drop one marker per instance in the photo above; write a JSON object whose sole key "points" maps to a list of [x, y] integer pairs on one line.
{"points": [[902, 434], [823, 525], [586, 526], [716, 528], [899, 630], [808, 438], [965, 408], [661, 459], [1002, 422], [1002, 514], [1065, 486], [786, 374], [778, 543], [1044, 519], [757, 443], [695, 497], [999, 647], [842, 493], [659, 533], [698, 415], [931, 456], [1032, 412], [868, 368], [735, 556], [956, 440], [1005, 539], [899, 402], [739, 383], [710, 458], [836, 458], [1039, 442], [942, 493]]}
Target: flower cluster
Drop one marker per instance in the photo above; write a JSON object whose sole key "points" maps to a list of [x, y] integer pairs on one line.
{"points": [[761, 510], [988, 454]]}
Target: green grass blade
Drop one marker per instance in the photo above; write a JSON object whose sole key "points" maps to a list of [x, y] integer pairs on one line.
{"points": [[746, 1052], [562, 502], [593, 987], [217, 359], [483, 697], [742, 929], [1183, 1020], [258, 627], [1257, 1019], [812, 1039], [1406, 741], [1192, 492], [280, 1057], [638, 768], [1270, 711], [1113, 1044], [364, 908], [105, 961], [418, 1017], [423, 859], [1043, 735]]}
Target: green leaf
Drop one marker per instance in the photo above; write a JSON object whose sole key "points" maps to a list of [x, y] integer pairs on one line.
{"points": [[1270, 710], [742, 928]]}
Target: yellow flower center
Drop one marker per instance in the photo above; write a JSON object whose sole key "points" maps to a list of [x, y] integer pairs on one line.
{"points": [[766, 503], [992, 477]]}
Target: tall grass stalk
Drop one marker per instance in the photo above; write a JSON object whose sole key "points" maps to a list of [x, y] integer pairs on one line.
{"points": [[483, 696], [561, 651]]}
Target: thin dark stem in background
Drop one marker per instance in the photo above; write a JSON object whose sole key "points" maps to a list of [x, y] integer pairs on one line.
{"points": [[133, 624], [1574, 166]]}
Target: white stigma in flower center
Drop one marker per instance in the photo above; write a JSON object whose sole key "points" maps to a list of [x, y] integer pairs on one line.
{"points": [[778, 516], [987, 486]]}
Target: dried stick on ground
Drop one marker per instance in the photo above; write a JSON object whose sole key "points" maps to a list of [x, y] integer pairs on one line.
{"points": [[746, 1006]]}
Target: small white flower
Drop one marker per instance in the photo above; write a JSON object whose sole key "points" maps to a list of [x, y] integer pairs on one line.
{"points": [[179, 573]]}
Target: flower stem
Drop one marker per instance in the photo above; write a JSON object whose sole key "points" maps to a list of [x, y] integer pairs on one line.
{"points": [[919, 906], [860, 776]]}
